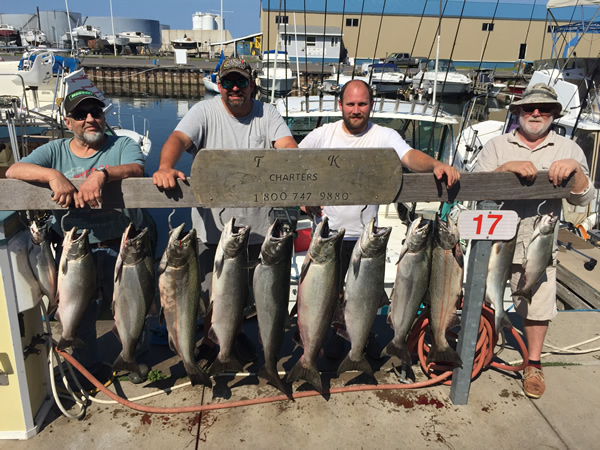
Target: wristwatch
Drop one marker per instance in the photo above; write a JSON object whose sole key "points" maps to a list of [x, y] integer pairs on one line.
{"points": [[106, 175]]}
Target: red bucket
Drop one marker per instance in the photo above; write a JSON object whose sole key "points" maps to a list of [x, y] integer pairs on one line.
{"points": [[302, 242]]}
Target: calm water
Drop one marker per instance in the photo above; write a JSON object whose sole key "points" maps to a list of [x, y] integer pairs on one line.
{"points": [[163, 114]]}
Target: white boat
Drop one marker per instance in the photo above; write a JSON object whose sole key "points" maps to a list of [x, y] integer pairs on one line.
{"points": [[86, 32], [109, 42], [275, 74], [137, 37], [449, 82], [210, 82], [387, 78], [334, 83], [31, 92], [34, 37], [186, 43]]}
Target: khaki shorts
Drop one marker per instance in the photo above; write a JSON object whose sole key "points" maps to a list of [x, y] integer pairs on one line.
{"points": [[543, 299]]}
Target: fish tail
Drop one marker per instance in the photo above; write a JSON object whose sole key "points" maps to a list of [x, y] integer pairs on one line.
{"points": [[121, 365], [229, 364], [362, 366], [197, 375], [447, 355], [310, 374], [64, 343], [272, 377], [399, 351]]}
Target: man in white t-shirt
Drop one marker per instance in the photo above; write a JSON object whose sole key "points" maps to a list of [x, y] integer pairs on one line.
{"points": [[355, 130]]}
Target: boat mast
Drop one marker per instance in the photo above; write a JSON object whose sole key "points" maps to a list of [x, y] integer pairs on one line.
{"points": [[437, 55], [112, 22], [73, 45]]}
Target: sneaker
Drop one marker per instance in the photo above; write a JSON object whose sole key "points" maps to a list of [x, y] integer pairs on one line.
{"points": [[373, 348], [206, 354], [334, 348], [245, 348], [533, 382]]}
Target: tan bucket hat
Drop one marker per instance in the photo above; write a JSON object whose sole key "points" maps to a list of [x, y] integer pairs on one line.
{"points": [[538, 94]]}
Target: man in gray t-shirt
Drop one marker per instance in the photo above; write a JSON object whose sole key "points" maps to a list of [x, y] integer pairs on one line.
{"points": [[234, 121]]}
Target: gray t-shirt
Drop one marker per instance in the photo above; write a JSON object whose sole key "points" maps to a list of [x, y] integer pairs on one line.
{"points": [[103, 224], [209, 125]]}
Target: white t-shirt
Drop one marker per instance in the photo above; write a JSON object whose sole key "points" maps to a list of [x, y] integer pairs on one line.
{"points": [[332, 135]]}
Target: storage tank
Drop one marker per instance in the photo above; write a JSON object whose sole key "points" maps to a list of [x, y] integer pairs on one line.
{"points": [[208, 22], [197, 21], [220, 22]]}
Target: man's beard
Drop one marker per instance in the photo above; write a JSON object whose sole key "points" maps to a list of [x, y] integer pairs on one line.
{"points": [[535, 129], [358, 124], [91, 138]]}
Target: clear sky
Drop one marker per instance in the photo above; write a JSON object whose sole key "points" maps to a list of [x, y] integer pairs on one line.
{"points": [[242, 17]]}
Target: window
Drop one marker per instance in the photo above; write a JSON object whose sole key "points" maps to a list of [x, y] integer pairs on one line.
{"points": [[351, 22], [311, 41], [281, 19], [487, 27], [334, 42]]}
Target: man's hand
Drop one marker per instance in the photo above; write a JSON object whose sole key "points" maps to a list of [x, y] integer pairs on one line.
{"points": [[63, 191], [562, 170], [167, 178], [312, 211], [90, 191], [524, 169], [452, 174]]}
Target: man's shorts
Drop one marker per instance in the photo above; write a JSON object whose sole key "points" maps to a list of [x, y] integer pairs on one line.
{"points": [[543, 295]]}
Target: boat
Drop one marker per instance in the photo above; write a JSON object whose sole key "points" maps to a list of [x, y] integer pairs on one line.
{"points": [[112, 42], [136, 39], [34, 37], [275, 77], [484, 83], [334, 83], [7, 30], [210, 82], [387, 78], [447, 80], [86, 32], [185, 43], [32, 90]]}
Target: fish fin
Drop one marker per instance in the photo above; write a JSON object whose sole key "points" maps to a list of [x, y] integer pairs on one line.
{"points": [[384, 300], [458, 254], [348, 365], [201, 311], [212, 335], [388, 319], [162, 265], [355, 263], [297, 338], [341, 331], [251, 264], [310, 374], [66, 343], [231, 364], [116, 331], [219, 262], [118, 268], [304, 270], [454, 321], [399, 351], [172, 345], [273, 378], [448, 355], [121, 365], [64, 266], [197, 375]]}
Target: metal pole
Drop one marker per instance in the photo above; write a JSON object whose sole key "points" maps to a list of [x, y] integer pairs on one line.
{"points": [[112, 22]]}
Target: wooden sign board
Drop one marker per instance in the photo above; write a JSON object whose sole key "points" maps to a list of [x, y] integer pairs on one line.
{"points": [[293, 177]]}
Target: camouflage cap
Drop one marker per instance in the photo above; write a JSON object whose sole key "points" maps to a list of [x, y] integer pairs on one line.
{"points": [[75, 98], [235, 65], [538, 94]]}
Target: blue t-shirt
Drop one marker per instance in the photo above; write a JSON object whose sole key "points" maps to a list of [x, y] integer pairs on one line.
{"points": [[103, 224]]}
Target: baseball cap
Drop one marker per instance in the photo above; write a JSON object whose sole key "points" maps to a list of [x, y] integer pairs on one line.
{"points": [[75, 98], [538, 94], [235, 65]]}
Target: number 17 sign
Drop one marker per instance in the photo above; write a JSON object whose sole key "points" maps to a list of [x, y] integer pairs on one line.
{"points": [[481, 224]]}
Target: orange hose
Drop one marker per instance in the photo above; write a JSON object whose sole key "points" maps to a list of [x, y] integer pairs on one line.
{"points": [[416, 343]]}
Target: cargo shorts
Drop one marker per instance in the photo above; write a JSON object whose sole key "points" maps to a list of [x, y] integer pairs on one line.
{"points": [[543, 295]]}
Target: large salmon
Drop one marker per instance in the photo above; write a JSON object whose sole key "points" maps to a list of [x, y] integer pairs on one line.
{"points": [[499, 270], [133, 294], [410, 285], [364, 293], [271, 286], [76, 285], [42, 262], [179, 287], [445, 287], [318, 295], [229, 294]]}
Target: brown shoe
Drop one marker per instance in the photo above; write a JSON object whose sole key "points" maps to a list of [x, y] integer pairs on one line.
{"points": [[533, 382]]}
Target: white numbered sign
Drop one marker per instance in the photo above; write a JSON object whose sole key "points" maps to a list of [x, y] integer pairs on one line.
{"points": [[482, 224]]}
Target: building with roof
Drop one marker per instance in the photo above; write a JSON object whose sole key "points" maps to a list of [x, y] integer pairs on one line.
{"points": [[498, 32]]}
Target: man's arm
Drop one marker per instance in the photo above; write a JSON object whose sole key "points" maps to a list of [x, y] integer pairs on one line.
{"points": [[63, 191], [285, 142], [166, 175], [417, 161], [90, 191]]}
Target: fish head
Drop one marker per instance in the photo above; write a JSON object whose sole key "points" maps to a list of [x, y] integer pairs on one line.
{"points": [[234, 239], [419, 233], [277, 245], [182, 246], [324, 245], [76, 246], [374, 240], [40, 231], [135, 245], [547, 223], [447, 235]]}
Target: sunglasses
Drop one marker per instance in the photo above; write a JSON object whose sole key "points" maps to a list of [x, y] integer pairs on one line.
{"points": [[543, 111], [96, 113], [241, 83]]}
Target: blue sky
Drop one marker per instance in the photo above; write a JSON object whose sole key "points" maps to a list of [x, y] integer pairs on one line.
{"points": [[242, 17]]}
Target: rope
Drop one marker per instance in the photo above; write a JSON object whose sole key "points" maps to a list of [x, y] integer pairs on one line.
{"points": [[323, 55], [337, 81], [377, 43], [362, 8]]}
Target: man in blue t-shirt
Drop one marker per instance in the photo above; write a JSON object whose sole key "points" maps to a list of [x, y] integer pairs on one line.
{"points": [[99, 159]]}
